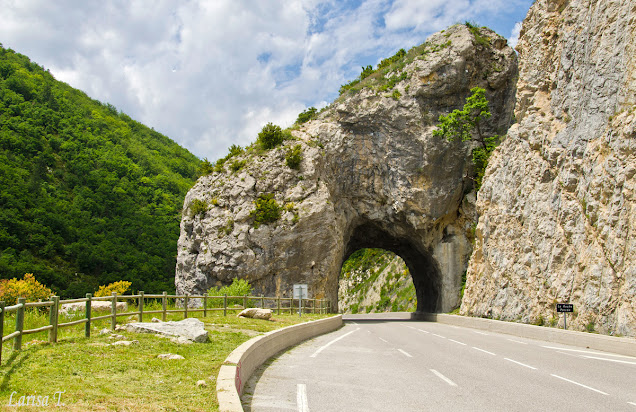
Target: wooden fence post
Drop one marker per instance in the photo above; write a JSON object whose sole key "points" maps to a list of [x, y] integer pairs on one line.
{"points": [[245, 302], [87, 325], [225, 305], [278, 303], [141, 306], [164, 306], [262, 302], [205, 306], [53, 318], [1, 327], [19, 324], [113, 311], [185, 307]]}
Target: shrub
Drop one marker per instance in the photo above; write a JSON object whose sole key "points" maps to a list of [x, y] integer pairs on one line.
{"points": [[270, 136], [198, 206], [235, 150], [294, 156], [306, 115], [120, 287], [206, 168], [389, 61], [239, 287], [27, 287], [396, 95], [238, 165], [266, 210], [479, 39]]}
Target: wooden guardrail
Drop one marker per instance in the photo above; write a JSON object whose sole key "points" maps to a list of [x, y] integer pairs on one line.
{"points": [[54, 304]]}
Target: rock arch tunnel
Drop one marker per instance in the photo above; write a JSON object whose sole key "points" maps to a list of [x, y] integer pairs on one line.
{"points": [[421, 264]]}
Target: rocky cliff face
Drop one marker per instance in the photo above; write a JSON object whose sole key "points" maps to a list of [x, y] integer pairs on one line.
{"points": [[558, 217], [372, 175]]}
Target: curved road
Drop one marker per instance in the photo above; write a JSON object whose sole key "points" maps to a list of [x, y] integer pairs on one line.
{"points": [[421, 366]]}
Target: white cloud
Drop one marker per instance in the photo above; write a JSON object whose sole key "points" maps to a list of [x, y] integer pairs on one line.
{"points": [[211, 73], [514, 35]]}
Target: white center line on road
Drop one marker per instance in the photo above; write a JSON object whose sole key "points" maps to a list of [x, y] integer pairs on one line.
{"points": [[323, 347], [301, 398], [421, 330], [580, 384], [609, 360], [632, 403], [485, 351], [383, 340], [456, 341], [352, 322], [519, 363], [405, 353], [481, 333], [589, 351], [444, 378], [517, 341], [439, 336]]}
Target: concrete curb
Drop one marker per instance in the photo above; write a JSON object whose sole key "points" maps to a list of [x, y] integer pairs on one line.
{"points": [[622, 346], [243, 361]]}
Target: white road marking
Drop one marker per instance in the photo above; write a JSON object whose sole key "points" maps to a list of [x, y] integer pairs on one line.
{"points": [[632, 403], [410, 327], [519, 363], [439, 336], [421, 330], [301, 398], [444, 378], [385, 341], [569, 354], [485, 351], [456, 341], [481, 333], [609, 360], [517, 341], [589, 351], [352, 322], [405, 353], [580, 384], [323, 347]]}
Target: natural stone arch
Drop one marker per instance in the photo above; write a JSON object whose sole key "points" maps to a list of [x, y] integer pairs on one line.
{"points": [[372, 174], [422, 266]]}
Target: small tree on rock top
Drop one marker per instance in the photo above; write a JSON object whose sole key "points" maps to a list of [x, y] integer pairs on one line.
{"points": [[466, 125]]}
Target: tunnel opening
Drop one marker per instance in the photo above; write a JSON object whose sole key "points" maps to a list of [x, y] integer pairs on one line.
{"points": [[375, 280], [421, 265]]}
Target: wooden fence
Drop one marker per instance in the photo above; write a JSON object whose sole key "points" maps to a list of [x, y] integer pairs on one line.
{"points": [[277, 304]]}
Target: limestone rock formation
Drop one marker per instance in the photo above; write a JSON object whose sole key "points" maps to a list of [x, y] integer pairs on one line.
{"points": [[558, 217], [191, 328], [372, 175]]}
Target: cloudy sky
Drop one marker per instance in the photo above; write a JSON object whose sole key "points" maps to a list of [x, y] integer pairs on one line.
{"points": [[211, 73]]}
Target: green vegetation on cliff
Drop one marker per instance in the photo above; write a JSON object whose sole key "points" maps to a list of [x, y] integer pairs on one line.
{"points": [[88, 196]]}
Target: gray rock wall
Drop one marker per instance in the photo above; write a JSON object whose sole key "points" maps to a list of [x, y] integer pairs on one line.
{"points": [[558, 217], [372, 175]]}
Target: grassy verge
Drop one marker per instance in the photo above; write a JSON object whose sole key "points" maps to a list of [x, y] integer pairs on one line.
{"points": [[87, 374]]}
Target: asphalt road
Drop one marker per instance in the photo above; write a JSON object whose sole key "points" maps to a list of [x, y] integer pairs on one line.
{"points": [[422, 366]]}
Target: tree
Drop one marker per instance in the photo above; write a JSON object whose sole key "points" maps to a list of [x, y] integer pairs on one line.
{"points": [[466, 125], [270, 136]]}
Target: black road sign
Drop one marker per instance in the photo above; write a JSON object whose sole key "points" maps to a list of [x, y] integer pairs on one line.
{"points": [[565, 307]]}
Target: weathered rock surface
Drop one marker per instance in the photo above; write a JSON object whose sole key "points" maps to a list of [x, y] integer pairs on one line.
{"points": [[256, 313], [96, 306], [372, 175], [190, 328], [558, 217], [170, 356]]}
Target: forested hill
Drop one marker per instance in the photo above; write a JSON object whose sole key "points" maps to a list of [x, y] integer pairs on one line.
{"points": [[87, 195]]}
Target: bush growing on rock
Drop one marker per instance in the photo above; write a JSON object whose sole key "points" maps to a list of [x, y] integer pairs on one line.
{"points": [[27, 287], [198, 206], [266, 210], [306, 115], [294, 156], [270, 136]]}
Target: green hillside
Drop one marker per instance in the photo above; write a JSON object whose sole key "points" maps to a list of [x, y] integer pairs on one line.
{"points": [[87, 195]]}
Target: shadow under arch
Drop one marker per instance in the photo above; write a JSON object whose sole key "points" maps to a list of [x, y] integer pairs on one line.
{"points": [[421, 264]]}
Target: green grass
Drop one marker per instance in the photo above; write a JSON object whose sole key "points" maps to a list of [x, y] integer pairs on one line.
{"points": [[98, 377]]}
